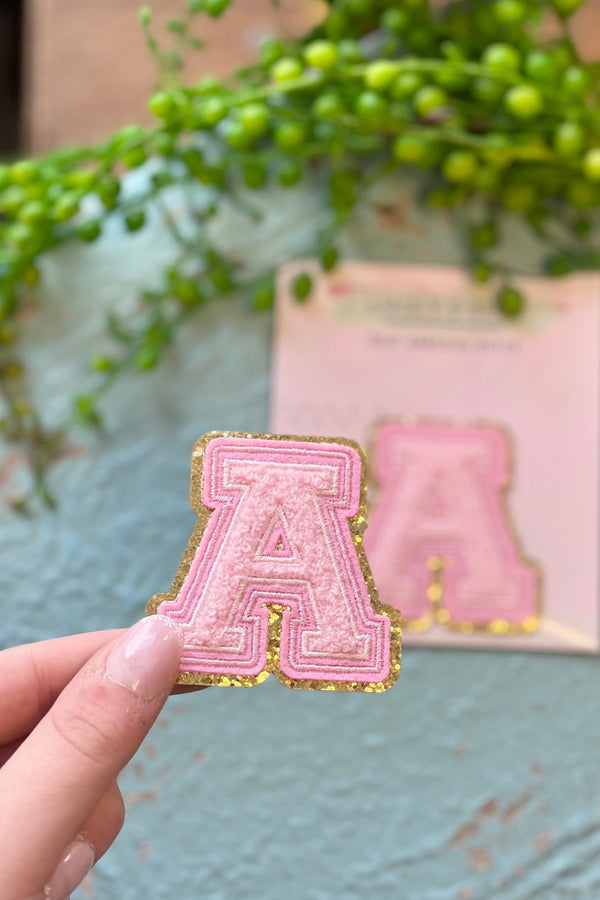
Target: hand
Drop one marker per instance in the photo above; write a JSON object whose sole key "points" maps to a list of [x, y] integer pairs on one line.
{"points": [[73, 711]]}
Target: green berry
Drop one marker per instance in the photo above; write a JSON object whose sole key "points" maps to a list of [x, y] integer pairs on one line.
{"points": [[321, 55], [420, 40], [194, 6], [576, 81], [328, 106], [13, 198], [566, 7], [221, 278], [255, 117], [290, 135], [559, 265], [358, 7], [290, 173], [235, 134], [254, 175], [31, 275], [146, 358], [85, 407], [395, 20], [460, 166], [270, 51], [350, 51], [207, 85], [486, 178], [286, 69], [101, 363], [162, 105], [329, 258], [581, 194], [569, 139], [263, 296], [509, 12], [108, 191], [135, 157], [24, 172], [484, 236], [452, 78], [187, 291], [83, 181], [212, 110], [135, 220], [591, 164], [524, 101], [211, 175], [416, 150], [215, 8], [501, 58], [371, 107], [428, 99], [66, 207], [488, 90], [89, 231], [302, 287], [193, 160], [162, 180], [32, 213], [163, 143], [128, 135], [380, 74], [482, 273], [406, 85], [540, 66], [583, 227], [20, 234], [509, 302], [519, 197]]}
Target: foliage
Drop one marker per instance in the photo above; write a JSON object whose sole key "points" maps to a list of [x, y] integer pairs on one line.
{"points": [[471, 96]]}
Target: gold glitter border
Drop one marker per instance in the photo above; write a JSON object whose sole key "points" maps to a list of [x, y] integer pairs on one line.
{"points": [[357, 524], [437, 613]]}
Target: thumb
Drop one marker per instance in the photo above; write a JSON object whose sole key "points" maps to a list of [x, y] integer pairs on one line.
{"points": [[66, 765]]}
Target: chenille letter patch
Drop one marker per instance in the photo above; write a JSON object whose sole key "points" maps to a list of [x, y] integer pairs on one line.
{"points": [[275, 578]]}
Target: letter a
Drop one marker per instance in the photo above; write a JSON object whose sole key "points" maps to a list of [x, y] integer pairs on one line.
{"points": [[275, 578], [440, 541]]}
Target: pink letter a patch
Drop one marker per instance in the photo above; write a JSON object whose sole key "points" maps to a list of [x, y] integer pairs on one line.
{"points": [[441, 541], [274, 578]]}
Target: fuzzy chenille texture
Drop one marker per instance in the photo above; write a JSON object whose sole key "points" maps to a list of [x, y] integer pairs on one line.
{"points": [[278, 537], [441, 507]]}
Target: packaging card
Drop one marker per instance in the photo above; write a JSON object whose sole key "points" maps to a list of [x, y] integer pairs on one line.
{"points": [[482, 436]]}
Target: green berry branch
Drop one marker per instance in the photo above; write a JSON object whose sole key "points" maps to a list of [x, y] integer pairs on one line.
{"points": [[491, 114]]}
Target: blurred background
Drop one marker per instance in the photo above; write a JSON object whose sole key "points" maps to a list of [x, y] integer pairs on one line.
{"points": [[74, 72]]}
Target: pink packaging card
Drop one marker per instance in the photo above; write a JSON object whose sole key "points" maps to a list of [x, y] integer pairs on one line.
{"points": [[482, 436]]}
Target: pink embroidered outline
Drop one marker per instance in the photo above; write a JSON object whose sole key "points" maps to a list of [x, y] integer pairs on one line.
{"points": [[279, 615]]}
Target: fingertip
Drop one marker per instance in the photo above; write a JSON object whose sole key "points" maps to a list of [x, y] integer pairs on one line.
{"points": [[146, 658]]}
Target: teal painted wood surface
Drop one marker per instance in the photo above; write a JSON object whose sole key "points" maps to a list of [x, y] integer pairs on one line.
{"points": [[477, 776]]}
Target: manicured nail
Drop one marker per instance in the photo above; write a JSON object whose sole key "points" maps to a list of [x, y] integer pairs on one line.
{"points": [[146, 659], [71, 870]]}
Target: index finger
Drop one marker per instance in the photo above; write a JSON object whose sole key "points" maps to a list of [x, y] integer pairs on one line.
{"points": [[59, 774], [33, 675]]}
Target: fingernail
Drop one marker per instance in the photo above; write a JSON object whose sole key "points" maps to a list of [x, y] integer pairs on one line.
{"points": [[146, 659], [71, 870]]}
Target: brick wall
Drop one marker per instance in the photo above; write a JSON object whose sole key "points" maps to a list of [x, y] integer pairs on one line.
{"points": [[88, 70]]}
